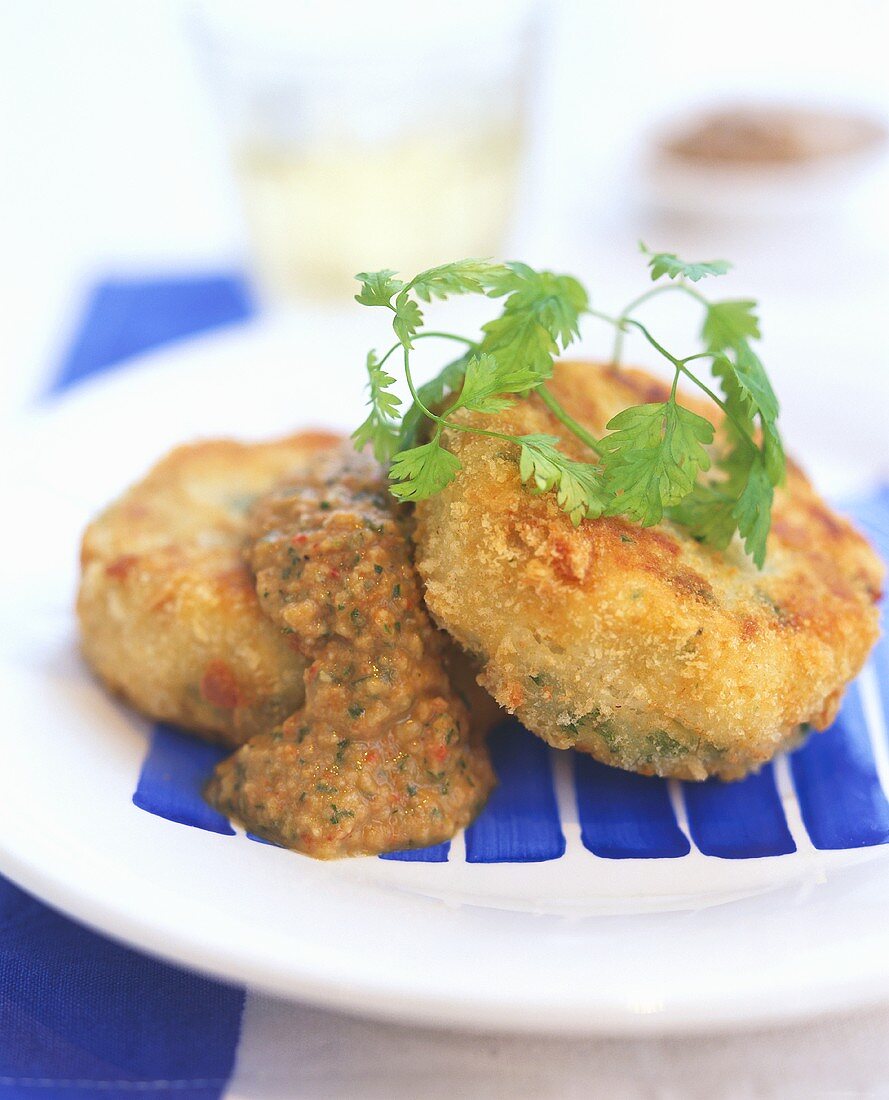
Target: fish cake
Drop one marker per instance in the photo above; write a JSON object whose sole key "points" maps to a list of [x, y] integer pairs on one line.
{"points": [[168, 611], [641, 646]]}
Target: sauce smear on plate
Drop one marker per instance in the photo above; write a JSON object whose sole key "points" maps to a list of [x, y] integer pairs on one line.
{"points": [[382, 756]]}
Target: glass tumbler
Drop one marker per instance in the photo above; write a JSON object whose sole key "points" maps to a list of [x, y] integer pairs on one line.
{"points": [[367, 136]]}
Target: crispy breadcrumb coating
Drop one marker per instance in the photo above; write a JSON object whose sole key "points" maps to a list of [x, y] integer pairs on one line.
{"points": [[168, 611], [640, 646]]}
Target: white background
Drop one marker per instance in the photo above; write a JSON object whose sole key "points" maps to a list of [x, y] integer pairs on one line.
{"points": [[112, 160], [113, 157]]}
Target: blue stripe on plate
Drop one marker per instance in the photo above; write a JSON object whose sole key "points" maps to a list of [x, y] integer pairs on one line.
{"points": [[128, 316], [880, 662], [872, 516], [742, 820], [262, 840], [81, 1016], [625, 816], [435, 853], [174, 772], [520, 823], [839, 793]]}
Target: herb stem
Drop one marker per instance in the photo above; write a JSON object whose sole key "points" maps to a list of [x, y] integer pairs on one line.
{"points": [[410, 385], [620, 322], [606, 317], [717, 401], [679, 364], [658, 347], [425, 336], [570, 423], [446, 336], [692, 293], [442, 421], [715, 398]]}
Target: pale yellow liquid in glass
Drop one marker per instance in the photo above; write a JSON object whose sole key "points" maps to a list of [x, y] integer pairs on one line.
{"points": [[320, 214]]}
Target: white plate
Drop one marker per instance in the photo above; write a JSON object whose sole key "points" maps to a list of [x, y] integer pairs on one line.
{"points": [[579, 944]]}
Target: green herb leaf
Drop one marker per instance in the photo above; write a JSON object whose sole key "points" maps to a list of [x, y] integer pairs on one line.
{"points": [[486, 380], [708, 513], [728, 329], [377, 287], [753, 510], [669, 264], [461, 277], [652, 458], [753, 380], [578, 485], [741, 502], [541, 312], [422, 471], [727, 323], [408, 319], [380, 429], [773, 454]]}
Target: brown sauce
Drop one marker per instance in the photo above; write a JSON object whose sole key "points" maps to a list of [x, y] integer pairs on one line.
{"points": [[382, 756]]}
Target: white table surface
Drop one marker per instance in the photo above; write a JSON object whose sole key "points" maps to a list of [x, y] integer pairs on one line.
{"points": [[299, 1052], [74, 206]]}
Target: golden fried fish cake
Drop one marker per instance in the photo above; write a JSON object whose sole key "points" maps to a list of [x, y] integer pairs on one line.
{"points": [[641, 646], [168, 610]]}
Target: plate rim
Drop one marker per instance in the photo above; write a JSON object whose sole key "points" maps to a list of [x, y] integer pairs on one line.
{"points": [[392, 1003]]}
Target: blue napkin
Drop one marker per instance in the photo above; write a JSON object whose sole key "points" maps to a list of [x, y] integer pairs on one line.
{"points": [[80, 1015]]}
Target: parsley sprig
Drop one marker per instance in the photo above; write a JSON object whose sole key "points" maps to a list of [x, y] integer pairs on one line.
{"points": [[656, 461]]}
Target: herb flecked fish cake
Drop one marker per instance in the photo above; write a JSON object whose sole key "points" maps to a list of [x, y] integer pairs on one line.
{"points": [[168, 610], [641, 646]]}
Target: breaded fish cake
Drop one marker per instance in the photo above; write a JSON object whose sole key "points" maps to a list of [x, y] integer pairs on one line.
{"points": [[641, 646], [168, 610]]}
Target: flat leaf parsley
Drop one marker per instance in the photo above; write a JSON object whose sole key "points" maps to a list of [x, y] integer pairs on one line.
{"points": [[655, 461]]}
